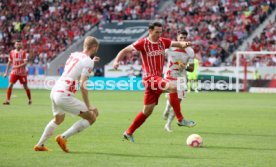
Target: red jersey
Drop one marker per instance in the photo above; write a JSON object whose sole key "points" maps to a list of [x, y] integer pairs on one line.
{"points": [[152, 54], [17, 58]]}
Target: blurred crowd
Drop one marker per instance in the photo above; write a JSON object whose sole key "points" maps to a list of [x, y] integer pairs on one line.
{"points": [[265, 42], [267, 39], [49, 27], [257, 61], [216, 28]]}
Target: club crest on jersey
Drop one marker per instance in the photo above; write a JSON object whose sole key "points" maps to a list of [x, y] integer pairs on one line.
{"points": [[160, 46], [157, 53]]}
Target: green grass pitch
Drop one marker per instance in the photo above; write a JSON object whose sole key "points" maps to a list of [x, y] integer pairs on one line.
{"points": [[237, 129]]}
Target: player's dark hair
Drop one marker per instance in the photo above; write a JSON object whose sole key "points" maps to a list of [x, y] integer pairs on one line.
{"points": [[155, 24], [183, 32]]}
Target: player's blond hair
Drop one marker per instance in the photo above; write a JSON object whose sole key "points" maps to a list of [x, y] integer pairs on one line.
{"points": [[89, 42]]}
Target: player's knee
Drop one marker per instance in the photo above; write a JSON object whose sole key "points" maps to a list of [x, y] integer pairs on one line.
{"points": [[91, 119], [11, 85], [95, 112], [148, 110], [26, 87], [173, 89], [58, 119], [147, 113], [92, 116]]}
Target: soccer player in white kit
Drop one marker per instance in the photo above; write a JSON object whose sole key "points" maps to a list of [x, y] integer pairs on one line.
{"points": [[77, 70], [178, 60]]}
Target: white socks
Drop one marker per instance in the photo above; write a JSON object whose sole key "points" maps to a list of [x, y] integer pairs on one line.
{"points": [[168, 108], [170, 117], [76, 128], [171, 114], [48, 132]]}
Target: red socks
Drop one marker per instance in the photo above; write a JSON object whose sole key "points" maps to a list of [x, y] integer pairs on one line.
{"points": [[138, 121], [28, 92], [140, 118], [9, 92], [175, 103]]}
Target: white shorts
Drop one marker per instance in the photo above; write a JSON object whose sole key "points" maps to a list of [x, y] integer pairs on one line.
{"points": [[64, 102], [181, 87]]}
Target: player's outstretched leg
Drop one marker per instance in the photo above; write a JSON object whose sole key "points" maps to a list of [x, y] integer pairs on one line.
{"points": [[48, 132], [40, 148], [196, 86], [9, 92], [168, 125], [62, 143], [137, 122], [167, 110], [189, 86], [175, 103], [128, 137], [28, 92], [187, 123], [6, 102], [89, 118]]}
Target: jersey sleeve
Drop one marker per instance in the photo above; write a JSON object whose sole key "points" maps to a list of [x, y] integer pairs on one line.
{"points": [[167, 52], [88, 66], [138, 45], [167, 42], [191, 54]]}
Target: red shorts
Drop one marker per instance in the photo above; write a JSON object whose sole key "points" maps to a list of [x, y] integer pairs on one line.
{"points": [[154, 86], [22, 78]]}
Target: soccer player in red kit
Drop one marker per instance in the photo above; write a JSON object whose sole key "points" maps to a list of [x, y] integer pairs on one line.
{"points": [[152, 49], [18, 60]]}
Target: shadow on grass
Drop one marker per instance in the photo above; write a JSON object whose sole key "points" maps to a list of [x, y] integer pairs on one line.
{"points": [[237, 134], [239, 148], [140, 156]]}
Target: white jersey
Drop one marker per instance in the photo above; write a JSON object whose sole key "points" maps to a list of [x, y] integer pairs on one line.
{"points": [[77, 64], [176, 56]]}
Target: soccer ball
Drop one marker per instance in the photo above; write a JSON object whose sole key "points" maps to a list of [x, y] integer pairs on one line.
{"points": [[194, 140]]}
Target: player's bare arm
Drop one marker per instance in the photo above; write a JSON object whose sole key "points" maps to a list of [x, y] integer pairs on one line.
{"points": [[180, 44], [121, 55], [7, 69], [84, 91], [182, 66]]}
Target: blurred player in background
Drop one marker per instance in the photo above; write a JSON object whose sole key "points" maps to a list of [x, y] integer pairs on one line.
{"points": [[152, 49], [192, 76], [77, 70], [18, 60], [178, 60]]}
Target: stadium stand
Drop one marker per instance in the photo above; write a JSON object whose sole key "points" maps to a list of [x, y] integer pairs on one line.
{"points": [[216, 27], [49, 27], [266, 40]]}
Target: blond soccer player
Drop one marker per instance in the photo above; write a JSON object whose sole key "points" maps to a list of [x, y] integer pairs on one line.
{"points": [[77, 69]]}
